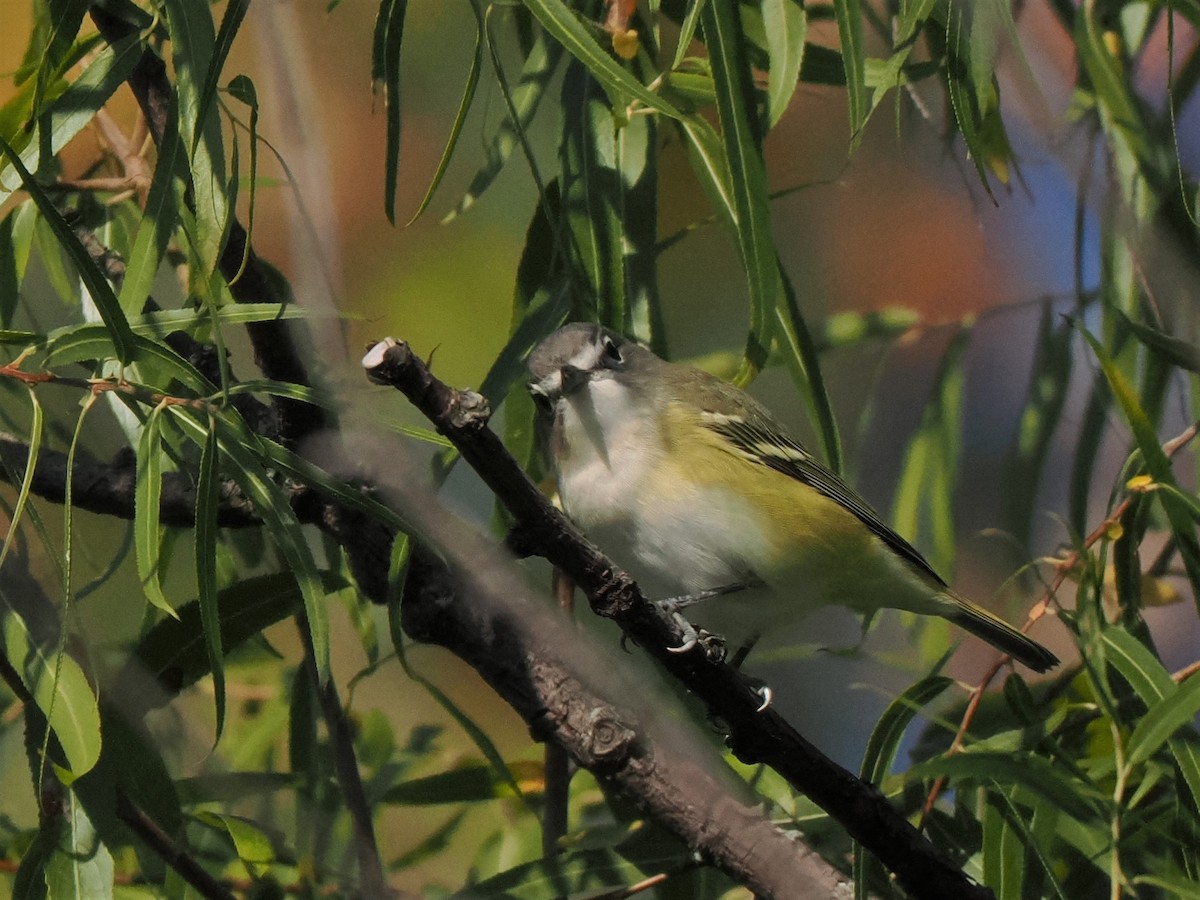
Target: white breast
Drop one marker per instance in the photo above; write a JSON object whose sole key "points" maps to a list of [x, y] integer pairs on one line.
{"points": [[671, 535]]}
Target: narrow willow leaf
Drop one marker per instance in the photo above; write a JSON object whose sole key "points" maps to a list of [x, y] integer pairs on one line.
{"points": [[1039, 421], [1162, 722], [1154, 685], [91, 342], [241, 450], [61, 691], [786, 25], [464, 106], [252, 844], [1157, 463], [158, 220], [687, 31], [1087, 449], [1036, 773], [301, 469], [1173, 350], [226, 787], [796, 343], [592, 196], [193, 45], [16, 240], [72, 110], [923, 507], [883, 745], [207, 502], [301, 392], [523, 101], [242, 88], [854, 55], [564, 26], [101, 292], [147, 497], [885, 737], [467, 784], [175, 652], [231, 21], [473, 730], [35, 445], [1003, 849], [83, 867], [385, 69], [747, 175]]}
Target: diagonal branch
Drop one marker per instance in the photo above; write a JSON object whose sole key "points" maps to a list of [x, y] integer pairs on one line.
{"points": [[755, 736]]}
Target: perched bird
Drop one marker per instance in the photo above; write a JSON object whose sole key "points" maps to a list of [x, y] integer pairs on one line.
{"points": [[693, 487]]}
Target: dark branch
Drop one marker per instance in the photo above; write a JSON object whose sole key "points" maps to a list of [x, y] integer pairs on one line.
{"points": [[275, 351], [754, 736], [108, 487], [477, 607], [169, 851]]}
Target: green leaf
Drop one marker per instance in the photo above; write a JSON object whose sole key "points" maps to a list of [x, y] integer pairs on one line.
{"points": [[241, 449], [99, 289], [385, 68], [35, 444], [175, 652], [147, 498], [226, 787], [193, 46], [592, 197], [849, 21], [1173, 350], [1039, 421], [751, 212], [208, 496], [536, 73], [73, 109], [61, 690], [1157, 463], [16, 240], [1003, 849], [889, 730], [799, 349], [158, 220], [252, 844], [1036, 773], [82, 867], [242, 88], [466, 784], [564, 25], [464, 105], [786, 25], [1162, 721], [231, 21], [923, 508], [687, 31]]}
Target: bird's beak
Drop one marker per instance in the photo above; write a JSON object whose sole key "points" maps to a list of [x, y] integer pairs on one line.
{"points": [[572, 378]]}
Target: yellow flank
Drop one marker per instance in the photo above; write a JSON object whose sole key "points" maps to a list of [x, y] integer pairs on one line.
{"points": [[817, 551]]}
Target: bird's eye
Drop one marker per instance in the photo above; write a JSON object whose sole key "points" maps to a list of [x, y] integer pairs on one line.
{"points": [[612, 355]]}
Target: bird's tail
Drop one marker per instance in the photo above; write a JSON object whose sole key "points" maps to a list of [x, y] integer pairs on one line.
{"points": [[999, 634]]}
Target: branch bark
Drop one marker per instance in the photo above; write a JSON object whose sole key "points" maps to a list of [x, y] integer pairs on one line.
{"points": [[755, 736]]}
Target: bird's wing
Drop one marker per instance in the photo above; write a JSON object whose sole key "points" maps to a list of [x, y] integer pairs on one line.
{"points": [[758, 440]]}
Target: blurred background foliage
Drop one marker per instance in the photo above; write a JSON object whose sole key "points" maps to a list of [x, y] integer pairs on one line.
{"points": [[952, 244]]}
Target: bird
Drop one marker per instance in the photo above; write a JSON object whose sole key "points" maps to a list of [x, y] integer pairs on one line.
{"points": [[696, 490]]}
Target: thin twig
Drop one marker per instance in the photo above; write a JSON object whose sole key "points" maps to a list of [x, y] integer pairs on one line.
{"points": [[169, 851], [1063, 567]]}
